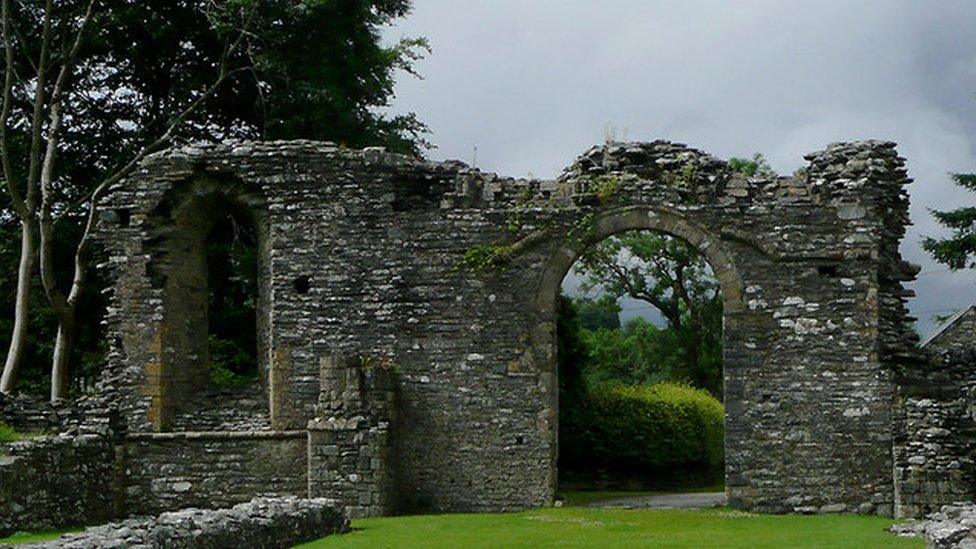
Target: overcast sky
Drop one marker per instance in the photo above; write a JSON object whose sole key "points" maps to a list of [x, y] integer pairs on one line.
{"points": [[533, 83]]}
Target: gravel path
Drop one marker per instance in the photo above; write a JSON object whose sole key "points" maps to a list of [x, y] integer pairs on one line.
{"points": [[665, 501]]}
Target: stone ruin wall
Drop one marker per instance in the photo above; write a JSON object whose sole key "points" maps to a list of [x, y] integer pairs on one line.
{"points": [[58, 482], [363, 255], [959, 334], [935, 432]]}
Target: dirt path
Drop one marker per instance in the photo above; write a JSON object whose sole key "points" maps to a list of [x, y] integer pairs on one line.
{"points": [[667, 501]]}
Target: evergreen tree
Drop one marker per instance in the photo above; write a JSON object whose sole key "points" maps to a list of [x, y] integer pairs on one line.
{"points": [[959, 250]]}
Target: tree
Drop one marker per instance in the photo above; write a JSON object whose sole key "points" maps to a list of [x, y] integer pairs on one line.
{"points": [[959, 250], [93, 86], [602, 312], [671, 275], [569, 350], [232, 269]]}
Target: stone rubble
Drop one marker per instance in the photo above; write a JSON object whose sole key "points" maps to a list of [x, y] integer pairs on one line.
{"points": [[954, 526], [262, 522]]}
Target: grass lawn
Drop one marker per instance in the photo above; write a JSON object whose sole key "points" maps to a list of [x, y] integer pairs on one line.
{"points": [[575, 526], [35, 537], [583, 527]]}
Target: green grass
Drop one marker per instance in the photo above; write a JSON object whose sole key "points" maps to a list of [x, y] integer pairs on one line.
{"points": [[608, 528], [35, 537], [7, 433], [582, 527]]}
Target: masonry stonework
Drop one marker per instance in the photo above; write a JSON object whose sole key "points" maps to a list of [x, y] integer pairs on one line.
{"points": [[935, 446], [56, 482], [448, 278]]}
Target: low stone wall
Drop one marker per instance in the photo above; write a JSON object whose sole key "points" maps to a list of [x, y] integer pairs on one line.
{"points": [[935, 434], [279, 522], [30, 415], [27, 415], [58, 481], [168, 471]]}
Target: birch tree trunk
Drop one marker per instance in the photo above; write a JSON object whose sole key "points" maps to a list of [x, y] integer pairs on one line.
{"points": [[65, 306], [60, 370], [18, 337]]}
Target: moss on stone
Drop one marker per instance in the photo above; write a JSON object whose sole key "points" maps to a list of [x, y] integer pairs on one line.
{"points": [[482, 258]]}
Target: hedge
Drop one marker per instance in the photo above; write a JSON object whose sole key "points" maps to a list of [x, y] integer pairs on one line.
{"points": [[642, 427]]}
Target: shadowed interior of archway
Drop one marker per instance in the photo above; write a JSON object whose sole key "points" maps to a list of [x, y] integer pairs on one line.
{"points": [[214, 280]]}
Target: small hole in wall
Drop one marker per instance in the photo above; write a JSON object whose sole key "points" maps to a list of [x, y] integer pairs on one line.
{"points": [[302, 284], [520, 440], [125, 216], [828, 270]]}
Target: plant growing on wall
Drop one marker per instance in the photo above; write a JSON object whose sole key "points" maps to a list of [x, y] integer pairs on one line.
{"points": [[752, 167]]}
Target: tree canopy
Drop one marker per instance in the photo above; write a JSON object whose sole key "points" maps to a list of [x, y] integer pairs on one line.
{"points": [[148, 73], [672, 276]]}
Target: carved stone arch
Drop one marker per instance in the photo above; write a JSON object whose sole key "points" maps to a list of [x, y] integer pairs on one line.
{"points": [[660, 219]]}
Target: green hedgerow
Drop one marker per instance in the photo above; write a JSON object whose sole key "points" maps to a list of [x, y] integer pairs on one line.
{"points": [[644, 427]]}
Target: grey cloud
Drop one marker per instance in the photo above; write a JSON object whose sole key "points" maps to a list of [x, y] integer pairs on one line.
{"points": [[533, 83]]}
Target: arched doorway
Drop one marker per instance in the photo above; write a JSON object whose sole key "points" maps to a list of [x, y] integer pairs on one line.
{"points": [[605, 225]]}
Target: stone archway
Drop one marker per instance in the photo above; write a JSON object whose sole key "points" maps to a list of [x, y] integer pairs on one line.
{"points": [[654, 218], [607, 224]]}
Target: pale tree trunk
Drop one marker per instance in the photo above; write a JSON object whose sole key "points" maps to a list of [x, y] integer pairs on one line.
{"points": [[18, 337], [60, 370], [24, 207], [65, 308]]}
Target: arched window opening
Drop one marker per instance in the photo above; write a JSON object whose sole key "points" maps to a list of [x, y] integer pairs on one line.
{"points": [[639, 351], [215, 371]]}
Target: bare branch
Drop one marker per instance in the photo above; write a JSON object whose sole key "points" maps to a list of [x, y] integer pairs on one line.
{"points": [[39, 100], [158, 144], [69, 61], [62, 305], [175, 123], [54, 125]]}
